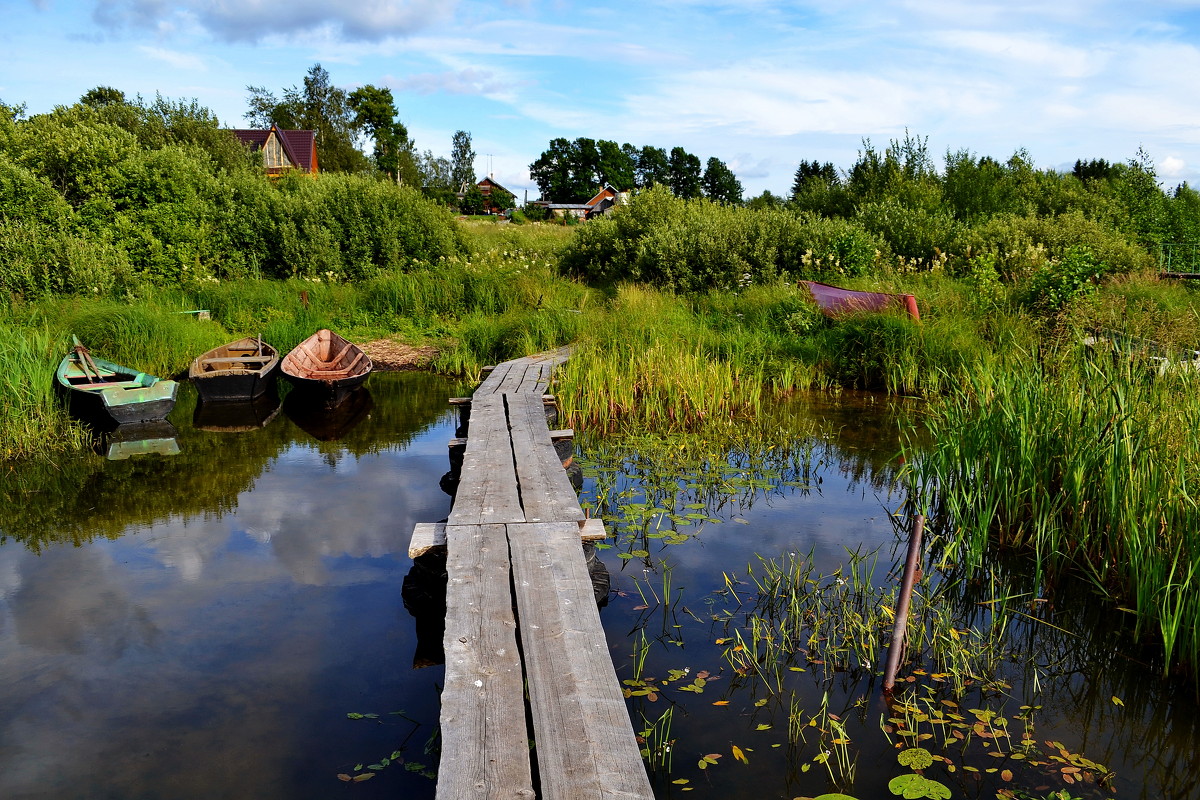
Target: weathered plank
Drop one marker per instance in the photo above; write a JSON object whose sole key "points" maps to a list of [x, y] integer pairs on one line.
{"points": [[429, 535], [585, 741], [485, 744], [487, 486], [546, 491]]}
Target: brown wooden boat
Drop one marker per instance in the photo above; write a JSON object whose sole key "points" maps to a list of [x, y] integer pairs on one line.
{"points": [[236, 372], [326, 364]]}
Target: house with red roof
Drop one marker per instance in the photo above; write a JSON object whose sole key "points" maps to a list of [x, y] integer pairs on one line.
{"points": [[282, 150]]}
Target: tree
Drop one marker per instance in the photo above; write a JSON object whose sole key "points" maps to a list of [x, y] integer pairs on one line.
{"points": [[319, 106], [375, 112], [567, 172], [684, 173], [720, 184], [813, 170], [615, 167], [552, 172], [653, 167], [103, 96], [472, 200], [1096, 169], [765, 200], [462, 161], [500, 198]]}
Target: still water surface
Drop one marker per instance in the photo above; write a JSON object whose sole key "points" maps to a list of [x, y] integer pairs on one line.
{"points": [[199, 625]]}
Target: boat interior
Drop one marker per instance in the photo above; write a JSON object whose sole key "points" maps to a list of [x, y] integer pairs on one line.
{"points": [[327, 355]]}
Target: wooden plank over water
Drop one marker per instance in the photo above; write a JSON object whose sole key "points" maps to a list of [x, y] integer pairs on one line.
{"points": [[487, 488], [546, 492], [483, 706], [513, 538], [585, 740]]}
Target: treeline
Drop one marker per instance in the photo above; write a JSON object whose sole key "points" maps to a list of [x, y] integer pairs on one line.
{"points": [[110, 194], [1055, 233], [571, 172]]}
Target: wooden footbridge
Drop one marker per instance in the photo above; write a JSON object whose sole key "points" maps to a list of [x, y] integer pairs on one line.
{"points": [[523, 641]]}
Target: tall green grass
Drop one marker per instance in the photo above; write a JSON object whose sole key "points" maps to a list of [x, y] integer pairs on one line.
{"points": [[32, 423], [1090, 467]]}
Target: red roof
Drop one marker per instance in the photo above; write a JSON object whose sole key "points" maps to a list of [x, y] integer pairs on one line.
{"points": [[299, 145]]}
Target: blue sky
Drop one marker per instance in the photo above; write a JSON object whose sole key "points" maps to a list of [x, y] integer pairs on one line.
{"points": [[759, 84]]}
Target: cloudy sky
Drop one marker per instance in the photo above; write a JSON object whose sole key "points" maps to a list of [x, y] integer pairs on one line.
{"points": [[760, 84]]}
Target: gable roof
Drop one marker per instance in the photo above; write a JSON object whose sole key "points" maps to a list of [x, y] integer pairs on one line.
{"points": [[491, 183], [300, 146]]}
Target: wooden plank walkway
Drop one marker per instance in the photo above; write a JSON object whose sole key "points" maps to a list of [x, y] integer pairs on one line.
{"points": [[523, 637]]}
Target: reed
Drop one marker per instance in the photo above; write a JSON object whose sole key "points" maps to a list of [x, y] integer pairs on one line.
{"points": [[1086, 465], [32, 421]]}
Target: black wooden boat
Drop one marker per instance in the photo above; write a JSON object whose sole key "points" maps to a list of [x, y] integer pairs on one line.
{"points": [[239, 371]]}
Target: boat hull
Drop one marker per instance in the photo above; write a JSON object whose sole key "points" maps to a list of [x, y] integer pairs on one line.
{"points": [[116, 395], [237, 372]]}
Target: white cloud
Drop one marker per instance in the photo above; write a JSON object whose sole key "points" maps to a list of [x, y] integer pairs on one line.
{"points": [[176, 59], [464, 81], [256, 20], [1171, 167]]}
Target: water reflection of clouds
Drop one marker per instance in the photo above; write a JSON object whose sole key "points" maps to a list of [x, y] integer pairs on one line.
{"points": [[56, 609], [301, 514], [215, 655]]}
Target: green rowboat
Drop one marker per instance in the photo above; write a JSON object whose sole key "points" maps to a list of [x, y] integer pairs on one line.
{"points": [[102, 392]]}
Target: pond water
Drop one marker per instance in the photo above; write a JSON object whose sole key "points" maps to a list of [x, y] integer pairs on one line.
{"points": [[205, 620]]}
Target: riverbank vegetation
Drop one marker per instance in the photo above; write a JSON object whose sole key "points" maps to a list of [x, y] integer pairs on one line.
{"points": [[116, 219]]}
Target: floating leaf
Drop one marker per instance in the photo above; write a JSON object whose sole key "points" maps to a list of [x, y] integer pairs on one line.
{"points": [[1117, 701], [721, 703], [344, 777], [915, 758], [738, 754], [366, 776], [763, 727], [912, 786], [681, 781]]}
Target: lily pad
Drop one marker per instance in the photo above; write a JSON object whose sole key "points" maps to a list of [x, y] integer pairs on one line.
{"points": [[913, 786], [915, 758]]}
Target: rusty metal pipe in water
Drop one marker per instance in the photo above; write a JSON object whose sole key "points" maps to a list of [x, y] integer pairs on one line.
{"points": [[906, 587]]}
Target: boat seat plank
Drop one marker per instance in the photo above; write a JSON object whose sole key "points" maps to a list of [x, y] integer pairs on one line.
{"points": [[585, 740], [235, 359], [94, 387], [485, 742]]}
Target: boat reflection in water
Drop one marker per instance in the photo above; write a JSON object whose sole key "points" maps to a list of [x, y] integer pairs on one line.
{"points": [[237, 416], [324, 421], [135, 439]]}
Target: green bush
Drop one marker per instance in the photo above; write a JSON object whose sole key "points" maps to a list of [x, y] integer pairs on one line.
{"points": [[1024, 245], [696, 245], [40, 260]]}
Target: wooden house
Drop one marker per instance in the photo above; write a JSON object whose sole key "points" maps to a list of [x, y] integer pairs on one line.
{"points": [[600, 203], [485, 188], [283, 150]]}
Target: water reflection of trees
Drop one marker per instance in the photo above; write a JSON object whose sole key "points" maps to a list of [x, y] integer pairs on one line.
{"points": [[74, 500], [1091, 673], [791, 448]]}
